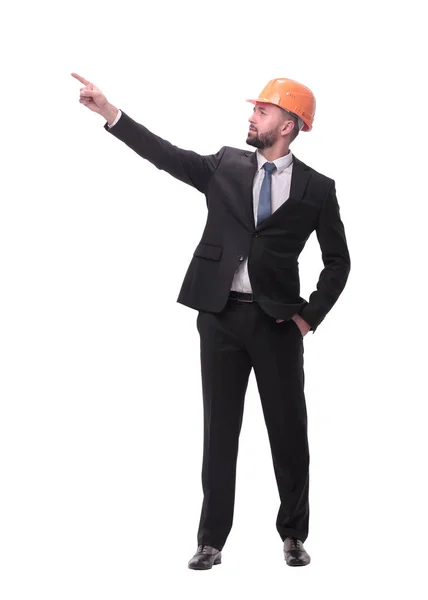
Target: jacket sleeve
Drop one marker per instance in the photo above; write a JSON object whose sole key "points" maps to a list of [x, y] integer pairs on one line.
{"points": [[331, 236], [187, 166]]}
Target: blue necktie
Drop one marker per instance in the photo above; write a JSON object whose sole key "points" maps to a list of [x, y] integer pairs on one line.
{"points": [[265, 209]]}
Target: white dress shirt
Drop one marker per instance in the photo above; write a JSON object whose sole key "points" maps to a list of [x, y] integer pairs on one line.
{"points": [[280, 192]]}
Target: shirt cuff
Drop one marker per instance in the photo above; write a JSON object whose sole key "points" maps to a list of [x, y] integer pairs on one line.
{"points": [[119, 114]]}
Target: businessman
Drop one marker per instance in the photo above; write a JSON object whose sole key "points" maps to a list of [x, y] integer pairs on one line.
{"points": [[243, 280]]}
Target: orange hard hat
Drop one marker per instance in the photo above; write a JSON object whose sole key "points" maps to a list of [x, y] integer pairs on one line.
{"points": [[291, 96]]}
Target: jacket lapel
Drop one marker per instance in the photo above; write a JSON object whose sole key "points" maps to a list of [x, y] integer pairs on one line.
{"points": [[247, 171], [299, 180]]}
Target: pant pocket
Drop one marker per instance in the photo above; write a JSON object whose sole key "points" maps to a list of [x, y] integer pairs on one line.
{"points": [[294, 324]]}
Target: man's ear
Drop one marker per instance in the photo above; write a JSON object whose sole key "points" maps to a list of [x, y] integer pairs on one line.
{"points": [[287, 127]]}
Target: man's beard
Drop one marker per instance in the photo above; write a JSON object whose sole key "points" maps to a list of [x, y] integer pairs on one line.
{"points": [[262, 141]]}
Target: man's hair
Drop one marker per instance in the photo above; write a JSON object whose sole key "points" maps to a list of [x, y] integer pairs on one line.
{"points": [[291, 116]]}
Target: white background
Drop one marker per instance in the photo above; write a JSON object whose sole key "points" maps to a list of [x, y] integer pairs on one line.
{"points": [[101, 401]]}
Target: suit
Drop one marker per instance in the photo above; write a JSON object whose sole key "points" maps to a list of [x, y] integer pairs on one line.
{"points": [[238, 336], [230, 233]]}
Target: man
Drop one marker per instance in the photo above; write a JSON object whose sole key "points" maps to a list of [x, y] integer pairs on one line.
{"points": [[244, 281]]}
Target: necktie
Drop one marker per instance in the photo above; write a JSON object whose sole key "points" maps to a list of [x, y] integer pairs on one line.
{"points": [[264, 209]]}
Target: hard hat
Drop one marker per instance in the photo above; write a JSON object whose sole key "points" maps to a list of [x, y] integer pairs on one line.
{"points": [[292, 96]]}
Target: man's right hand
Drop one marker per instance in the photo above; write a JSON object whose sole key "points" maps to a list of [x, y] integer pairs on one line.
{"points": [[94, 99]]}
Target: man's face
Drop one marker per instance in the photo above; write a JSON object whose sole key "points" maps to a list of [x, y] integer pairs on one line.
{"points": [[266, 123]]}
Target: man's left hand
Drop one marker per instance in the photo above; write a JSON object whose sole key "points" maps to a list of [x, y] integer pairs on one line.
{"points": [[301, 324]]}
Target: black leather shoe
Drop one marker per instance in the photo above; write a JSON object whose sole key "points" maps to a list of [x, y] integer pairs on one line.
{"points": [[294, 553], [205, 558]]}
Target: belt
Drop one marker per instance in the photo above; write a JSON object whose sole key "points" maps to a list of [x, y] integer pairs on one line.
{"points": [[241, 296]]}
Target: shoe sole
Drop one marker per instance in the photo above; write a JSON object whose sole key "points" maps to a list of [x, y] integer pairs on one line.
{"points": [[216, 562], [297, 564]]}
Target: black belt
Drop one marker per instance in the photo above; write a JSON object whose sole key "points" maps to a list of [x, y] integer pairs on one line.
{"points": [[241, 296]]}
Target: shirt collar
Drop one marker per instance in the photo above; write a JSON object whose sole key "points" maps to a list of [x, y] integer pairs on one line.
{"points": [[280, 163]]}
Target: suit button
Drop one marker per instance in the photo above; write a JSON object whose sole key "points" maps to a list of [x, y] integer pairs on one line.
{"points": [[255, 235], [241, 258]]}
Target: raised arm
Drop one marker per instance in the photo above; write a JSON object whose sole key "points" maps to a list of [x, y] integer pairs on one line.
{"points": [[188, 166]]}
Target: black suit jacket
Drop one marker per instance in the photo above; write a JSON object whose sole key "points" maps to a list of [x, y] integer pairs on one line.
{"points": [[230, 234]]}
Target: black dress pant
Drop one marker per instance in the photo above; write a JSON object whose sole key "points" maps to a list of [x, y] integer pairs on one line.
{"points": [[242, 336]]}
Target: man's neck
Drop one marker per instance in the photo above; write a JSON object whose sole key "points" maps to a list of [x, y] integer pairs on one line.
{"points": [[271, 154]]}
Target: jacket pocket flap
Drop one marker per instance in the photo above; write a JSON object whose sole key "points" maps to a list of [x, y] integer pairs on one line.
{"points": [[208, 251]]}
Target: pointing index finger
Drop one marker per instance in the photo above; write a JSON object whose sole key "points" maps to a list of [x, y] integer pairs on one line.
{"points": [[81, 79]]}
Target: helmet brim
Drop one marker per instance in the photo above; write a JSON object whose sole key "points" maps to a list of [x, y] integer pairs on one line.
{"points": [[266, 101]]}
